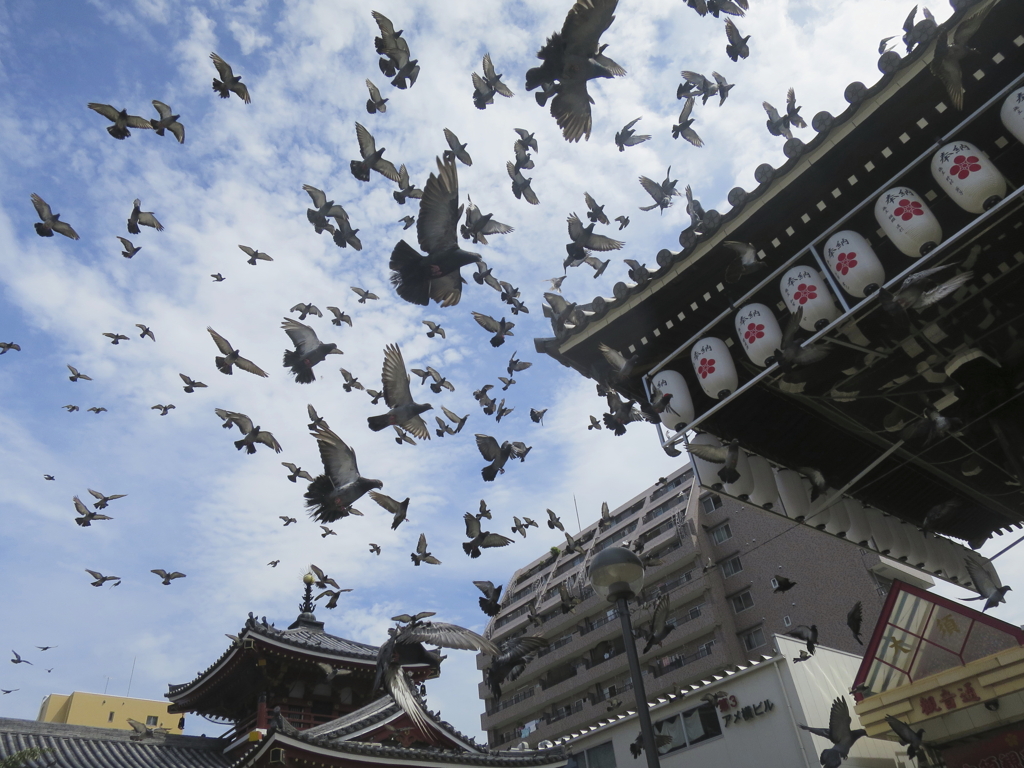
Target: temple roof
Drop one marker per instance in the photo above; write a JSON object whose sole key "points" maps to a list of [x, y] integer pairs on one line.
{"points": [[77, 746]]}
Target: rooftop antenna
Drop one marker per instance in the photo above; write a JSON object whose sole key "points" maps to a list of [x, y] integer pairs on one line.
{"points": [[105, 685], [130, 677], [579, 526]]}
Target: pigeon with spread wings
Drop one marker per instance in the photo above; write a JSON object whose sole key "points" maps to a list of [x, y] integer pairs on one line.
{"points": [[480, 539], [229, 82], [121, 120], [232, 357], [371, 158], [404, 411], [331, 495], [437, 276], [49, 222], [309, 350], [500, 328], [511, 662]]}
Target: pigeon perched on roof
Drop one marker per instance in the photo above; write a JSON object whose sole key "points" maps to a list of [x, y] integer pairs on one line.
{"points": [[403, 411], [915, 34], [121, 120], [232, 357], [49, 222], [571, 58], [416, 278], [511, 662], [987, 587], [627, 137], [908, 736], [309, 350], [145, 218], [229, 82], [371, 158], [838, 732], [331, 495], [661, 193]]}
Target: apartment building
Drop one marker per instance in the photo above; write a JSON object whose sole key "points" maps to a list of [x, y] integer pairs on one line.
{"points": [[718, 560]]}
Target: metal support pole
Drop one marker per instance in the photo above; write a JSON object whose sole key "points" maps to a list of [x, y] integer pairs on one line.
{"points": [[643, 713]]}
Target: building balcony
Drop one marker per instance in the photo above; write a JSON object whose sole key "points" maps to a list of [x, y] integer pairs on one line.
{"points": [[528, 708]]}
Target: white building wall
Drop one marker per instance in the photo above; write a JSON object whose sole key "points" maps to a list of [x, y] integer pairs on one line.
{"points": [[769, 740]]}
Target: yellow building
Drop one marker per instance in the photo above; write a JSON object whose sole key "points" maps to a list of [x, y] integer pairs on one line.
{"points": [[102, 711]]}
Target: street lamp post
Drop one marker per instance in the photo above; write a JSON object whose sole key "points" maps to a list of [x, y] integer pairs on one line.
{"points": [[617, 575]]}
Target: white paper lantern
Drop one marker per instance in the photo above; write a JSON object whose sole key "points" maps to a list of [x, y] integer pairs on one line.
{"points": [[853, 262], [793, 494], [679, 412], [714, 367], [765, 493], [967, 175], [908, 221], [805, 287], [821, 509], [859, 531], [902, 549], [707, 471], [880, 534], [1012, 114], [839, 519], [743, 487], [759, 333]]}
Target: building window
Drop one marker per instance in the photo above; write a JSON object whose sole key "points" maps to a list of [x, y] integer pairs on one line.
{"points": [[787, 621], [601, 756], [689, 728], [710, 503], [151, 720], [753, 639], [721, 534], [732, 567], [742, 602], [110, 717]]}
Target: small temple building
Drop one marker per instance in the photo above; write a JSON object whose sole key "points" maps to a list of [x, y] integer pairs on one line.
{"points": [[287, 697]]}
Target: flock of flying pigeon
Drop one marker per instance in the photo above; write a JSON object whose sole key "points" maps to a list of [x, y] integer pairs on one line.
{"points": [[570, 58]]}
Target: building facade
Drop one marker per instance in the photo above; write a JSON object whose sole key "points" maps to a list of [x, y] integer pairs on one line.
{"points": [[99, 710], [718, 561]]}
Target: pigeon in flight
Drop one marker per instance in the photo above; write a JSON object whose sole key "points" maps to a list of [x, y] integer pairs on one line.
{"points": [[521, 185], [167, 122], [807, 634], [784, 584], [744, 262], [306, 309], [484, 88], [682, 128], [583, 238], [661, 193], [401, 436], [660, 627], [116, 338], [595, 212], [252, 434], [737, 47], [398, 509], [96, 409], [571, 58], [514, 365], [480, 539], [121, 120], [497, 455], [490, 603], [309, 350], [351, 382], [190, 385], [327, 531], [71, 408], [908, 736], [838, 732], [778, 125], [129, 249], [334, 594], [145, 331], [948, 53], [537, 416], [940, 514], [988, 588], [331, 495], [620, 414], [145, 218], [375, 103], [287, 520], [793, 353], [372, 158], [103, 502], [229, 82], [167, 577], [339, 317], [218, 277], [727, 455], [526, 140], [296, 472], [254, 255], [621, 365], [49, 222], [162, 408], [554, 522], [627, 137], [6, 346], [500, 328], [437, 276], [511, 662], [458, 421], [375, 548], [421, 555], [396, 60], [434, 329], [793, 111], [324, 209], [403, 411], [232, 357], [915, 34], [478, 225], [100, 579], [854, 618]]}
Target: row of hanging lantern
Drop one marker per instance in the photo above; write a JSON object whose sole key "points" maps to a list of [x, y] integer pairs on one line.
{"points": [[961, 170], [788, 493]]}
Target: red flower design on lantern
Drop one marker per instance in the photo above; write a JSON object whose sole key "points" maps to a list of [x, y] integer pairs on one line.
{"points": [[907, 210], [706, 367], [963, 166], [845, 262], [754, 332], [805, 293]]}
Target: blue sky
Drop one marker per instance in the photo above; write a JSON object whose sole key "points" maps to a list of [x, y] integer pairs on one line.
{"points": [[196, 505]]}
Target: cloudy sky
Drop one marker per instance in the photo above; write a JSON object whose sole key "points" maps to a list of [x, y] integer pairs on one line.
{"points": [[193, 502]]}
